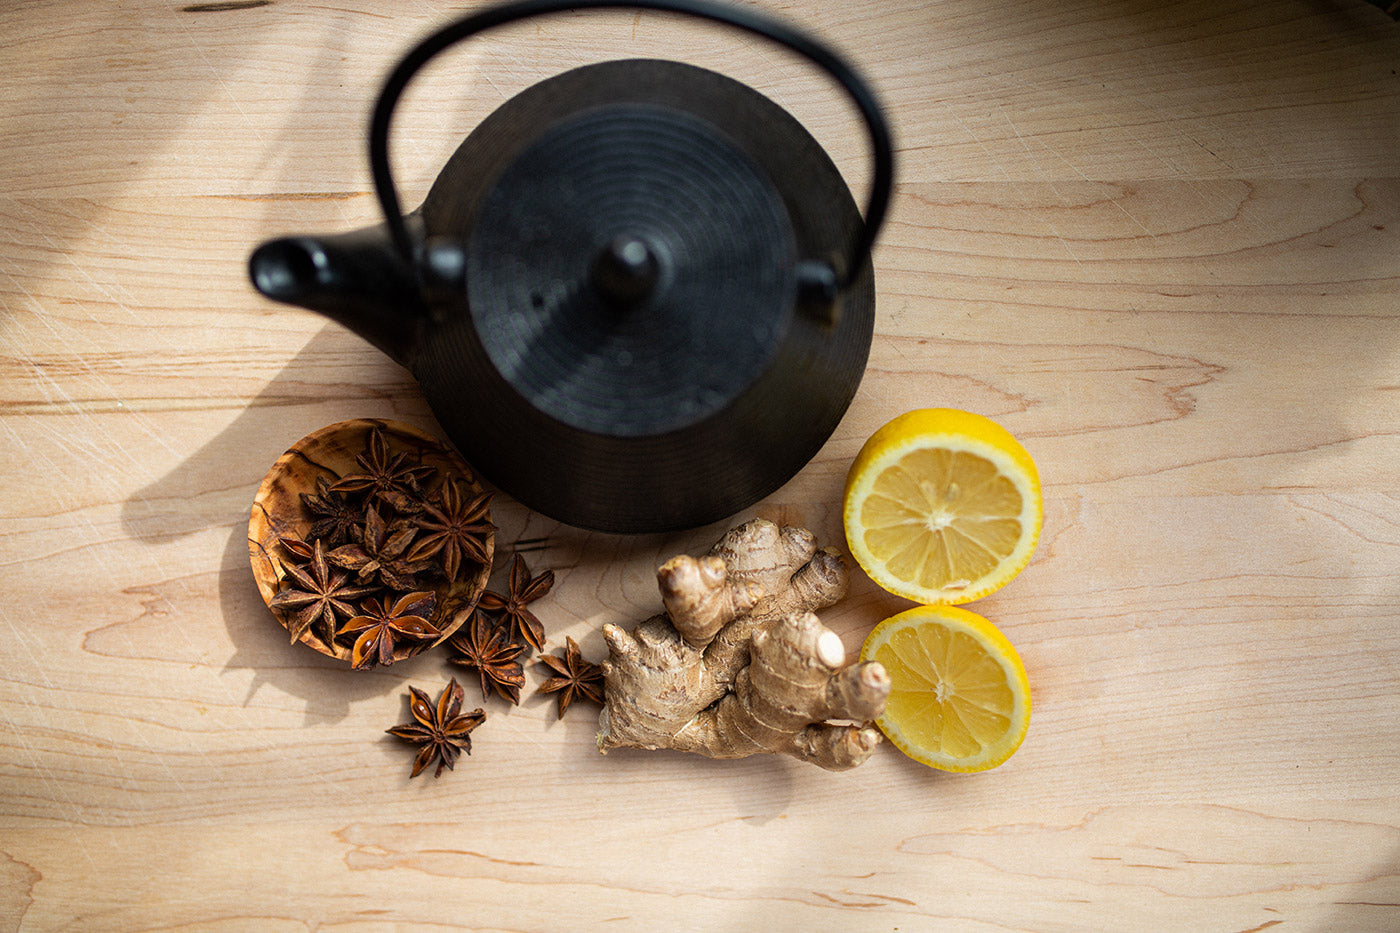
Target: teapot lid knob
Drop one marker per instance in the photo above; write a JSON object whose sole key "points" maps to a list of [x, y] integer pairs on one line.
{"points": [[626, 271]]}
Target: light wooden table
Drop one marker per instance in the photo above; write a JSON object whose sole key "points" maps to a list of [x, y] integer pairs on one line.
{"points": [[1158, 242]]}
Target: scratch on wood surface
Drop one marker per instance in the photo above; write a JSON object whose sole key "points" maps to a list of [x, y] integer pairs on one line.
{"points": [[1112, 200], [976, 139], [1176, 170], [1054, 230]]}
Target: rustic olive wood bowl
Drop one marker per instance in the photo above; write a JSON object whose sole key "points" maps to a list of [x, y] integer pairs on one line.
{"points": [[331, 452]]}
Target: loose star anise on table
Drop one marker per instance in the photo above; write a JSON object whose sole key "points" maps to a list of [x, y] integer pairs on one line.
{"points": [[443, 729], [382, 626], [382, 554], [454, 532], [482, 646], [521, 624], [574, 677], [315, 593], [391, 479]]}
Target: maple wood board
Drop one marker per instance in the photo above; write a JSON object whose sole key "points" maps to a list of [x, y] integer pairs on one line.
{"points": [[1158, 242]]}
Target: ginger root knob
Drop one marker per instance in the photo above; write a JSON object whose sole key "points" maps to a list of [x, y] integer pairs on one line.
{"points": [[738, 664]]}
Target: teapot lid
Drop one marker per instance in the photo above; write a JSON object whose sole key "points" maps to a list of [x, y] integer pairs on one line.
{"points": [[631, 270]]}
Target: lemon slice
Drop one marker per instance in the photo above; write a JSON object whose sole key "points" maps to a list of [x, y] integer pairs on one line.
{"points": [[942, 506], [959, 697]]}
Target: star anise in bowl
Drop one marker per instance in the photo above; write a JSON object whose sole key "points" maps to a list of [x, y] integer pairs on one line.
{"points": [[354, 518]]}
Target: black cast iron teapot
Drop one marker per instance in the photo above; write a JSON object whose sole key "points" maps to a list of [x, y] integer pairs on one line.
{"points": [[639, 295]]}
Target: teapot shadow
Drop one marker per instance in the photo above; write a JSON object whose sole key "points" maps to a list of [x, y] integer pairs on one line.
{"points": [[215, 485], [328, 688], [201, 491], [218, 481]]}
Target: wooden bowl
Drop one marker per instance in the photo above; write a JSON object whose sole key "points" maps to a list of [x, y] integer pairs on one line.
{"points": [[330, 452]]}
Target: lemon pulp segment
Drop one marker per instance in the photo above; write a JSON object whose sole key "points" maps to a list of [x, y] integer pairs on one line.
{"points": [[954, 696], [942, 518], [959, 698]]}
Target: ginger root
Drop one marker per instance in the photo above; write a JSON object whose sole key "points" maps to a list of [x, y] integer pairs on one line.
{"points": [[739, 664]]}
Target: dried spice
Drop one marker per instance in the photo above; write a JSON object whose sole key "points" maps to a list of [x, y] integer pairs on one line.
{"points": [[390, 478], [381, 554], [574, 677], [335, 519], [454, 532], [521, 624], [483, 646], [300, 550], [382, 626], [316, 593], [387, 503], [442, 729]]}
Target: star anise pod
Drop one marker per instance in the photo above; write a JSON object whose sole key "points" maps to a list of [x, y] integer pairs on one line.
{"points": [[574, 677], [457, 530], [520, 622], [380, 554], [443, 729], [334, 520], [315, 593], [484, 648], [389, 478], [380, 627]]}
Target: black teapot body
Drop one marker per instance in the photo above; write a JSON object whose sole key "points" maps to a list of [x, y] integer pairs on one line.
{"points": [[638, 297]]}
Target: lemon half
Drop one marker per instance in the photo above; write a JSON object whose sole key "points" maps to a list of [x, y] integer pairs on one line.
{"points": [[959, 697], [942, 506]]}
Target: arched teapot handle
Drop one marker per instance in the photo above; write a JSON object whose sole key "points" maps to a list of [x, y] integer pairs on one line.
{"points": [[818, 280]]}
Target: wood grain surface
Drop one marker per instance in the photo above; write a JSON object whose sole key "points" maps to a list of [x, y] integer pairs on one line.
{"points": [[1157, 241]]}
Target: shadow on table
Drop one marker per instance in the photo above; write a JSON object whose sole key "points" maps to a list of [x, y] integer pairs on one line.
{"points": [[328, 687], [265, 429], [332, 378]]}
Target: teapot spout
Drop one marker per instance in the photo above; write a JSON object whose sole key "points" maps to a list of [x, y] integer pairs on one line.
{"points": [[356, 279]]}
